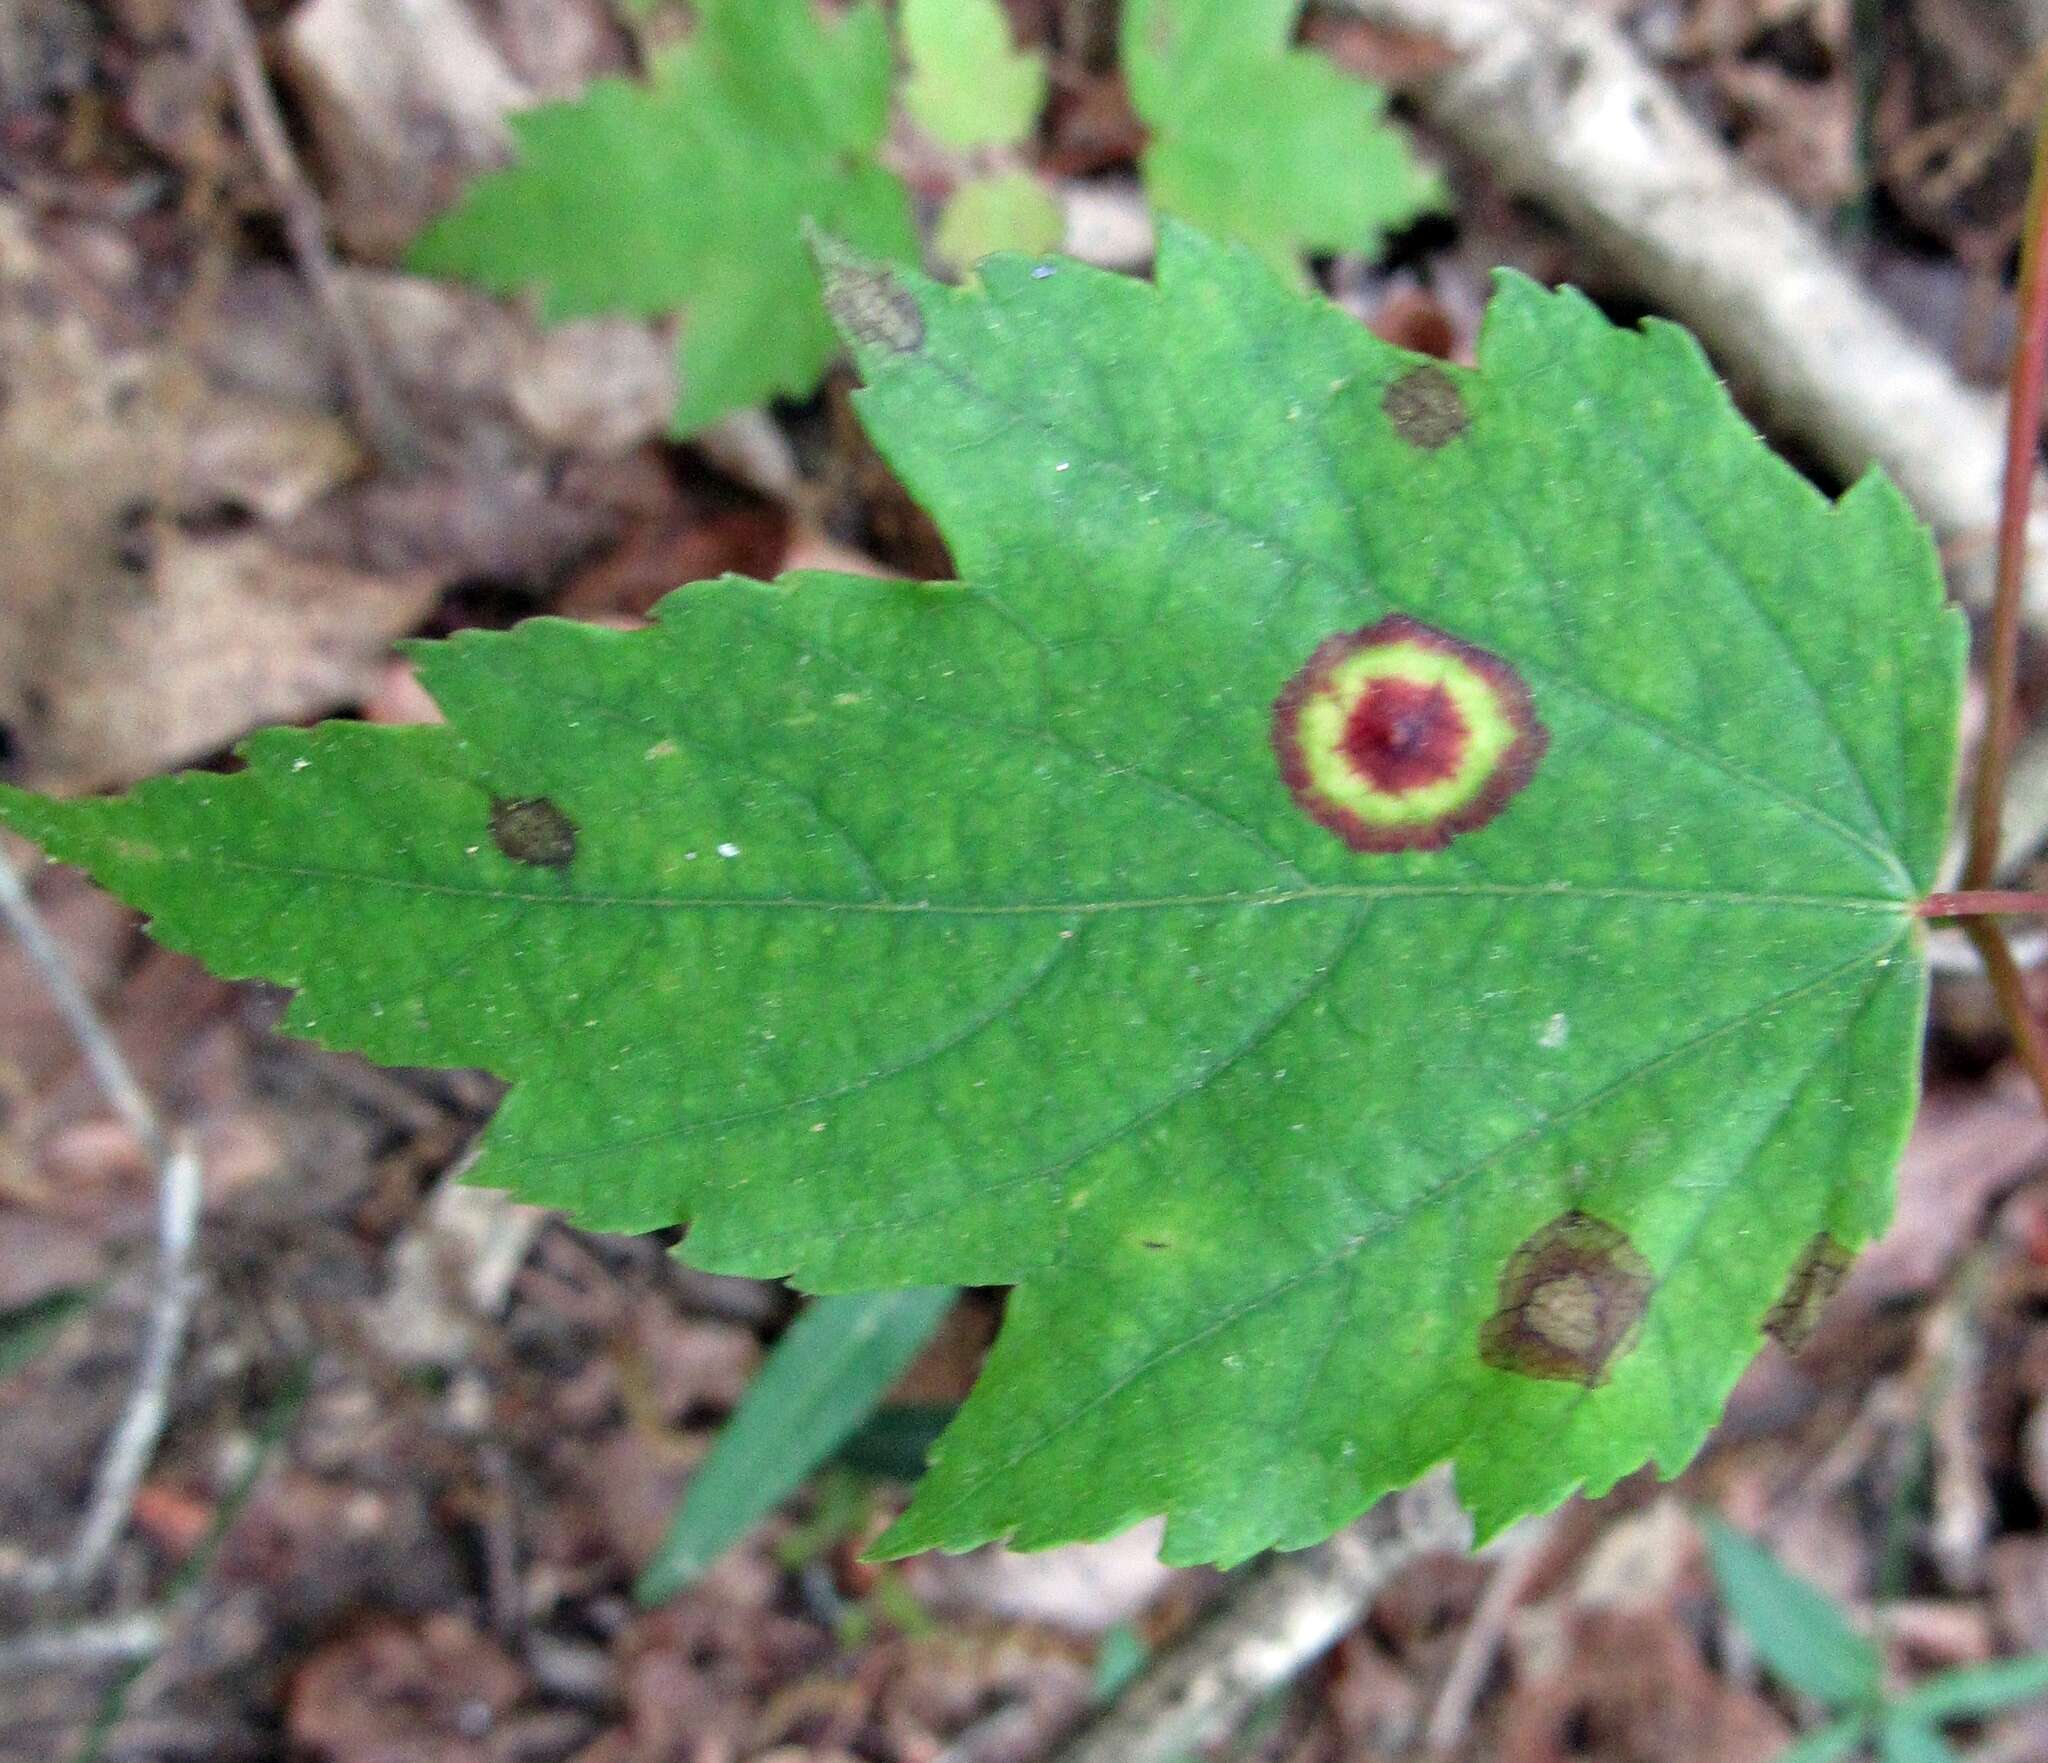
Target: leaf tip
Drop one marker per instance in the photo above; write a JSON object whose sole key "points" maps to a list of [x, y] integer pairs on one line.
{"points": [[870, 304], [61, 828]]}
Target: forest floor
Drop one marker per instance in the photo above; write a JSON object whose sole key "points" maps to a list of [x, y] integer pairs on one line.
{"points": [[438, 1435]]}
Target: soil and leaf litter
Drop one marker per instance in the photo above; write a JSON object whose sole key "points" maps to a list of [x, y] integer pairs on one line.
{"points": [[1382, 912], [1387, 909]]}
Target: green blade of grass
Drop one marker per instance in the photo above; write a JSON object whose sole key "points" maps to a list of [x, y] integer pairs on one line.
{"points": [[1906, 1741], [1980, 1689], [893, 1443], [825, 1376], [1829, 1745], [1801, 1633], [26, 1330]]}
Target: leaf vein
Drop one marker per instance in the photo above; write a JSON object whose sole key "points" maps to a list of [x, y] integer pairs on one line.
{"points": [[1446, 1186], [1199, 510]]}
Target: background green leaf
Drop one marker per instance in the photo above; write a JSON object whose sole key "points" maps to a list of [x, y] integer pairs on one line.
{"points": [[825, 1376], [1258, 141], [1977, 1689], [1010, 211], [1906, 1741], [688, 194], [900, 934], [28, 1328], [1801, 1633], [893, 1442], [968, 86], [1830, 1744], [1119, 1657]]}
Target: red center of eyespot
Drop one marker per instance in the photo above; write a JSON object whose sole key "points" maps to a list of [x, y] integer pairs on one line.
{"points": [[1404, 736]]}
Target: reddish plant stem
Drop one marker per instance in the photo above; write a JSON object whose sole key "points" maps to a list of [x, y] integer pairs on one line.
{"points": [[2022, 442], [1987, 803], [1983, 903], [2010, 989]]}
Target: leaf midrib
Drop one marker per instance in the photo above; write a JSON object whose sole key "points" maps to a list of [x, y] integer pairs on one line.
{"points": [[1314, 894]]}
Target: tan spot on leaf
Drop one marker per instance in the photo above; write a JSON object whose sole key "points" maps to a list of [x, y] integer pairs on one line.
{"points": [[531, 829], [1426, 408], [871, 306], [1816, 1276], [1572, 1298]]}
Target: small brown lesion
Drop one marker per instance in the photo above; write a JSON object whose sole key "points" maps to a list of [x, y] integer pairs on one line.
{"points": [[1572, 1299], [531, 829], [1426, 408], [869, 304], [1816, 1276]]}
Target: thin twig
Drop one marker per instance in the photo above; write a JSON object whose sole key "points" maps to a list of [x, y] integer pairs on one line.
{"points": [[119, 1640], [133, 1441], [1520, 1554], [370, 394], [134, 1640], [133, 1444], [1088, 31], [2022, 446], [1277, 1621], [110, 1071]]}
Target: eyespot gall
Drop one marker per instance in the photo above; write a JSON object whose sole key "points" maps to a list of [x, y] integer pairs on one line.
{"points": [[1399, 737], [531, 829], [1426, 408], [1571, 1300], [1816, 1276]]}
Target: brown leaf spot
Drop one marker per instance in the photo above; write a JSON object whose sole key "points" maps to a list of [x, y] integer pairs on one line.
{"points": [[531, 829], [870, 305], [1426, 408], [1817, 1275], [1571, 1299]]}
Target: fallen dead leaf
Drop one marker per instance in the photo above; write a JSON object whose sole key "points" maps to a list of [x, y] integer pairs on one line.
{"points": [[1633, 1688], [1969, 1144], [1083, 1588], [217, 637], [144, 619], [406, 100], [403, 1694]]}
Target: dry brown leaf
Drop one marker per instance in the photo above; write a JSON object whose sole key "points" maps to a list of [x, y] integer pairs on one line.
{"points": [[1633, 1688], [213, 638], [1083, 1588], [144, 620], [396, 1694], [406, 100]]}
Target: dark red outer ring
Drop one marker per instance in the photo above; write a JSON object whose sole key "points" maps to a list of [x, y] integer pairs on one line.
{"points": [[1511, 771]]}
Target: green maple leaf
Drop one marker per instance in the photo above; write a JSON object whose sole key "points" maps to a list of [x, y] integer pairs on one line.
{"points": [[1261, 142], [968, 86], [688, 194], [1385, 905], [1006, 211]]}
